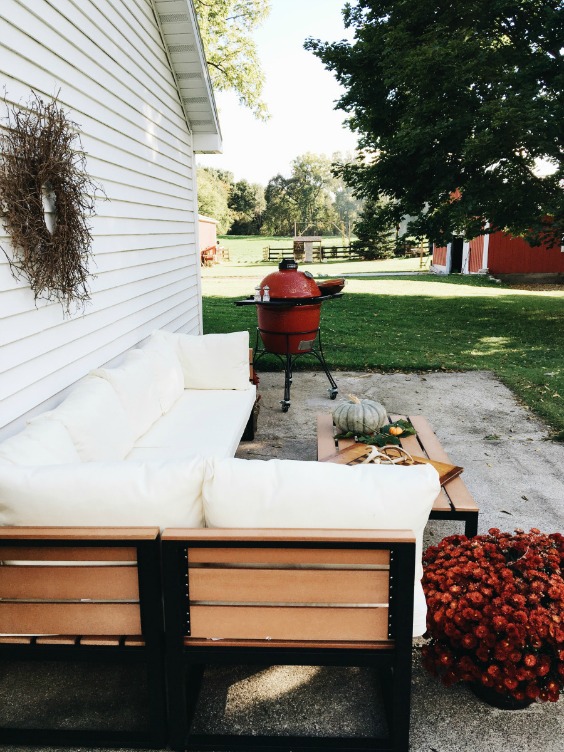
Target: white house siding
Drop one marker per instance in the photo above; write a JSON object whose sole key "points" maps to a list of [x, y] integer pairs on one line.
{"points": [[107, 61]]}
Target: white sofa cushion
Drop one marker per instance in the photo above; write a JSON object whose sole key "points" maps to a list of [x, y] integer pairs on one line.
{"points": [[293, 494], [135, 383], [215, 361], [162, 349], [96, 421], [42, 442], [163, 493], [209, 423]]}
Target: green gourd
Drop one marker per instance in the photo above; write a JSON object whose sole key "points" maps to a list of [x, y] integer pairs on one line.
{"points": [[360, 416]]}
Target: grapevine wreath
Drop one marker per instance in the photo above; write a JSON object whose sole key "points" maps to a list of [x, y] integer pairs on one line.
{"points": [[42, 156]]}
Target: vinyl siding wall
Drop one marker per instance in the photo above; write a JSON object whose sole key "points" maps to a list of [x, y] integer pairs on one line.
{"points": [[107, 61]]}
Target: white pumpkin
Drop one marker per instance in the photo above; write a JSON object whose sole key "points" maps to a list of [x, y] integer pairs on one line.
{"points": [[360, 416]]}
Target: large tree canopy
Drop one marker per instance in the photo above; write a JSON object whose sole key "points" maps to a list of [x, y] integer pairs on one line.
{"points": [[226, 27], [304, 202], [457, 105]]}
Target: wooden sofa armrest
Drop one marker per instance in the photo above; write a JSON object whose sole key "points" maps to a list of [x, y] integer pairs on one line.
{"points": [[251, 366], [78, 533], [289, 535]]}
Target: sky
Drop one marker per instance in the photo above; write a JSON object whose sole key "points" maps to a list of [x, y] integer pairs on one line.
{"points": [[299, 92]]}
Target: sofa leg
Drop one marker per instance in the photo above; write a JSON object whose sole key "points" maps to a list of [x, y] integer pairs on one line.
{"points": [[251, 427]]}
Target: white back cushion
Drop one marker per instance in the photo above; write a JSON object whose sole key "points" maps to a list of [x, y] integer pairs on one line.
{"points": [[292, 494], [42, 442], [135, 383], [96, 421], [163, 493], [215, 361], [169, 376]]}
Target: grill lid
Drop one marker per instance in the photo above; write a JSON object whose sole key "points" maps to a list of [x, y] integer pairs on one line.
{"points": [[288, 282]]}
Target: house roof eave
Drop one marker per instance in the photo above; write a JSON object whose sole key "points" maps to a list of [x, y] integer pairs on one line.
{"points": [[185, 50]]}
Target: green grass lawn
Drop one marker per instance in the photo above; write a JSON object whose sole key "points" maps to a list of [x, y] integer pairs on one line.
{"points": [[429, 323]]}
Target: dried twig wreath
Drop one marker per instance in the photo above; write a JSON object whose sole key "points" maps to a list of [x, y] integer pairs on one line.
{"points": [[43, 167]]}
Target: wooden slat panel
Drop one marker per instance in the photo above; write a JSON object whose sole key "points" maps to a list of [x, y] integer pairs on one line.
{"points": [[288, 586], [327, 644], [460, 496], [428, 439], [415, 446], [15, 640], [32, 553], [73, 618], [63, 583], [107, 640], [456, 490], [442, 503], [288, 556], [135, 641], [325, 436], [79, 533], [56, 640], [256, 623]]}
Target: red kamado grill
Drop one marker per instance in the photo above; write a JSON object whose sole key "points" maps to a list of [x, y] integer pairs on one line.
{"points": [[288, 312]]}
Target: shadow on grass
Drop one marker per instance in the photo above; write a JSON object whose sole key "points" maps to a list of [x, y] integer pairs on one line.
{"points": [[520, 338]]}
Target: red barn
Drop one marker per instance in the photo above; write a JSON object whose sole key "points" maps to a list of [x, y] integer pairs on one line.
{"points": [[498, 254]]}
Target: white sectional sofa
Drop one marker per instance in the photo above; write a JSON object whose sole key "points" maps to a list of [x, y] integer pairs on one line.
{"points": [[151, 442]]}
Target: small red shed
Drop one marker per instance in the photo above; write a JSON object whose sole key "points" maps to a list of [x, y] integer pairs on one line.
{"points": [[207, 234], [498, 254]]}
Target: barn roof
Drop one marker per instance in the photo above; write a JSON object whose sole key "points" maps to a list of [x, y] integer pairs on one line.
{"points": [[181, 35]]}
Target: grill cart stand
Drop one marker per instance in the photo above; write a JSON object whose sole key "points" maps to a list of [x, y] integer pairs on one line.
{"points": [[288, 304], [288, 359]]}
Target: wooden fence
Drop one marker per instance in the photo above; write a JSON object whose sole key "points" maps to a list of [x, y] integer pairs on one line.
{"points": [[320, 253]]}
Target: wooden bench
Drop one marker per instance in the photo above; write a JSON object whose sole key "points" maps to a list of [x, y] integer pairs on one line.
{"points": [[288, 597], [84, 595], [453, 502]]}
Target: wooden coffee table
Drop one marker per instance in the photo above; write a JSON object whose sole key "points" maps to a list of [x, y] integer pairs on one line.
{"points": [[454, 502]]}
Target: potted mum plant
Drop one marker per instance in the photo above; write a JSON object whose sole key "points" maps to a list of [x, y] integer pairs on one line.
{"points": [[496, 615]]}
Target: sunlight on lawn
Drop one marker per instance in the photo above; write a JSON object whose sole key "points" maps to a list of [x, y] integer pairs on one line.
{"points": [[491, 345], [426, 286]]}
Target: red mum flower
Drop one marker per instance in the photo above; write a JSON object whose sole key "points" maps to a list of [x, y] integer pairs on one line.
{"points": [[496, 611]]}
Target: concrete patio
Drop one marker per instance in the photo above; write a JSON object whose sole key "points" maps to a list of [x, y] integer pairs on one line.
{"points": [[516, 478]]}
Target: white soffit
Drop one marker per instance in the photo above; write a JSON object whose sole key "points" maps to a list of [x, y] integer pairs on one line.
{"points": [[177, 19]]}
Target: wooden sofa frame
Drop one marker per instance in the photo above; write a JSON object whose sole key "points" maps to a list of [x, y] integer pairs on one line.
{"points": [[78, 611], [290, 597]]}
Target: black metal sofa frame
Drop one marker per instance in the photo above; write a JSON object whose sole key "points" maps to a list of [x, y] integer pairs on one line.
{"points": [[225, 590]]}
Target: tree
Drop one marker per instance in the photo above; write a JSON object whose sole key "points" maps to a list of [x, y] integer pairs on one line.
{"points": [[305, 200], [456, 105], [376, 239], [231, 54], [214, 189], [347, 205], [280, 210], [247, 204]]}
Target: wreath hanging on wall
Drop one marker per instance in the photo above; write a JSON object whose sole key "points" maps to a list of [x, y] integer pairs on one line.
{"points": [[46, 199]]}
